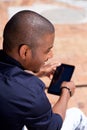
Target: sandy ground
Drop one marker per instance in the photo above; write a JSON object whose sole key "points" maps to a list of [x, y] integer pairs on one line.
{"points": [[70, 47]]}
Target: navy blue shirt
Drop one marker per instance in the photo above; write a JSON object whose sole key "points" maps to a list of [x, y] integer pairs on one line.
{"points": [[23, 100]]}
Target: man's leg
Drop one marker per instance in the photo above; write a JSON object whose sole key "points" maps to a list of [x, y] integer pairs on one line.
{"points": [[74, 120]]}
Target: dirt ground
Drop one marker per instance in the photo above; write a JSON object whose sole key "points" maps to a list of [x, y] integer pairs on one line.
{"points": [[70, 47]]}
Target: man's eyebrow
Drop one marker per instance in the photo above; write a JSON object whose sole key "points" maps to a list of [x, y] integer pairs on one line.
{"points": [[49, 48]]}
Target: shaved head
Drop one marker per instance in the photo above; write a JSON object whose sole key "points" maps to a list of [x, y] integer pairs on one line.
{"points": [[25, 27]]}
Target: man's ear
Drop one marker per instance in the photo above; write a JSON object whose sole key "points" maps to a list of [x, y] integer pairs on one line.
{"points": [[23, 51]]}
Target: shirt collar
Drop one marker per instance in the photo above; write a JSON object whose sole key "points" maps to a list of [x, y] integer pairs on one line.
{"points": [[9, 60]]}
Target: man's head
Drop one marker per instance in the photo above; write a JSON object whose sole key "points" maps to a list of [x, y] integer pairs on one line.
{"points": [[28, 37]]}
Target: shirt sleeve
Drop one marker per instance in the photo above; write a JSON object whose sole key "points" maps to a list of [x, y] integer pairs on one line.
{"points": [[35, 106], [48, 121], [42, 117], [56, 122]]}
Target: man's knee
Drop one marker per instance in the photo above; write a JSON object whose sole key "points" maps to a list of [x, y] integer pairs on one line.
{"points": [[75, 110]]}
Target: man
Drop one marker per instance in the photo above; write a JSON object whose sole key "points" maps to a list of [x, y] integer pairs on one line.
{"points": [[27, 45]]}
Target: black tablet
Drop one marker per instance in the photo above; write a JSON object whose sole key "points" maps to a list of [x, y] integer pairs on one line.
{"points": [[63, 73]]}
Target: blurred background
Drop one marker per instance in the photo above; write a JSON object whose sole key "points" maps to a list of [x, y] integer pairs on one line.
{"points": [[70, 20]]}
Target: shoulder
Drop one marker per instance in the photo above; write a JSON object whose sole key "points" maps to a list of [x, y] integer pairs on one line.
{"points": [[26, 78]]}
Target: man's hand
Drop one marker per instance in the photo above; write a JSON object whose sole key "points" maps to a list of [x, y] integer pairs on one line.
{"points": [[68, 85], [47, 70]]}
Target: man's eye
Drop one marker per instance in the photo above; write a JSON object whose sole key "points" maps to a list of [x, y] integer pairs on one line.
{"points": [[48, 51]]}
